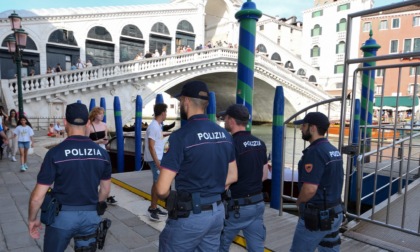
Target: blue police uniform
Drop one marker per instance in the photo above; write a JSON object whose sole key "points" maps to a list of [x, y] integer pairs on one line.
{"points": [[75, 166], [199, 153], [322, 165], [251, 156]]}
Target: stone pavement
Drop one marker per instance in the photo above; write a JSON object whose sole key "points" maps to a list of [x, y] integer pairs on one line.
{"points": [[131, 229]]}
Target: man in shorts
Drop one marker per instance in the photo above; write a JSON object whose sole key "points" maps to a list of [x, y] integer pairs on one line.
{"points": [[153, 152]]}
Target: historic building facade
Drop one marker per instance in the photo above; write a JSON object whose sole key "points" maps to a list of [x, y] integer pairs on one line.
{"points": [[324, 33], [396, 31]]}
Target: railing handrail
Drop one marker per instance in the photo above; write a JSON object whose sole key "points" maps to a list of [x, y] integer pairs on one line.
{"points": [[391, 145], [86, 77], [311, 107]]}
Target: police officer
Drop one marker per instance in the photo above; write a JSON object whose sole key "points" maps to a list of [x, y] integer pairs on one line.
{"points": [[246, 206], [320, 185], [76, 167], [201, 159]]}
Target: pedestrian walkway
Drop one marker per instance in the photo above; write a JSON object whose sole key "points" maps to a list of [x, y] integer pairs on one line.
{"points": [[131, 229]]}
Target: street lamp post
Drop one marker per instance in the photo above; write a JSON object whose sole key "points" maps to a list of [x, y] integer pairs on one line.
{"points": [[16, 43]]}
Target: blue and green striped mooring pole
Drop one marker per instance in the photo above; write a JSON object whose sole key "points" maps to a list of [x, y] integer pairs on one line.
{"points": [[368, 88], [248, 17], [211, 108]]}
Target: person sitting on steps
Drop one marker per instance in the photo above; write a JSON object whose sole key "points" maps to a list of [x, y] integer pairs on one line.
{"points": [[58, 129], [51, 131]]}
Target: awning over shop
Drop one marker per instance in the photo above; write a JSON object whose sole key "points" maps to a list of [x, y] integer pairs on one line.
{"points": [[391, 101]]}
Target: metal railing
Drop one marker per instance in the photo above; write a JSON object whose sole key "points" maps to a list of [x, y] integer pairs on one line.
{"points": [[42, 123], [293, 147], [384, 167]]}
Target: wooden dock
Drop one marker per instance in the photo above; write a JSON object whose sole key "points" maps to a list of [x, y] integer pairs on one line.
{"points": [[280, 229]]}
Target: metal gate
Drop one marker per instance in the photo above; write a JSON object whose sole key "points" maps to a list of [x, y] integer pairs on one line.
{"points": [[379, 129]]}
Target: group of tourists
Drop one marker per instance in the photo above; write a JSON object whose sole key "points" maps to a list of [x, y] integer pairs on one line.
{"points": [[16, 133]]}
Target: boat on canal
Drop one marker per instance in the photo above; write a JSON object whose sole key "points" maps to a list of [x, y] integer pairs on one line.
{"points": [[385, 132]]}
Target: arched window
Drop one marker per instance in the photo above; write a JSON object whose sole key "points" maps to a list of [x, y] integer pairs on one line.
{"points": [[342, 25], [301, 72], [132, 31], [98, 50], [30, 60], [62, 36], [160, 28], [185, 35], [340, 47], [100, 33], [131, 43], [289, 65], [276, 57], [312, 78], [184, 25], [30, 44], [316, 31], [162, 41], [315, 51], [261, 49]]}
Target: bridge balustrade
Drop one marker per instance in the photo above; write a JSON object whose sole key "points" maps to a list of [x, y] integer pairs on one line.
{"points": [[66, 78]]}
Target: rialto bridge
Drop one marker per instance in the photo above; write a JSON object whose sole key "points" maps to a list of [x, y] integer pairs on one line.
{"points": [[47, 95]]}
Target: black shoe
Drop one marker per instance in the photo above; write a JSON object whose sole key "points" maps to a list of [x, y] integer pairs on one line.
{"points": [[153, 216], [160, 212], [111, 200], [157, 211]]}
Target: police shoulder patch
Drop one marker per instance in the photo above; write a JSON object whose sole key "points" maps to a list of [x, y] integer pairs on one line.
{"points": [[308, 168], [166, 147]]}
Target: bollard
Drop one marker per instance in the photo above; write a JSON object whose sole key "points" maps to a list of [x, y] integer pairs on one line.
{"points": [[119, 134], [247, 17], [137, 130], [103, 105]]}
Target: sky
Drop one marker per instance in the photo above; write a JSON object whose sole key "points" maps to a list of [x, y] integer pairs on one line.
{"points": [[282, 8]]}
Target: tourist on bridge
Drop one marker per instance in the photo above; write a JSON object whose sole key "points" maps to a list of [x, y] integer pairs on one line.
{"points": [[58, 68], [80, 64], [320, 185], [200, 157], [245, 203]]}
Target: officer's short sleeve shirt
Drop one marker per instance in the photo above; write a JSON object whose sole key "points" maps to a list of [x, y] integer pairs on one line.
{"points": [[251, 156], [199, 152], [75, 167], [322, 165]]}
